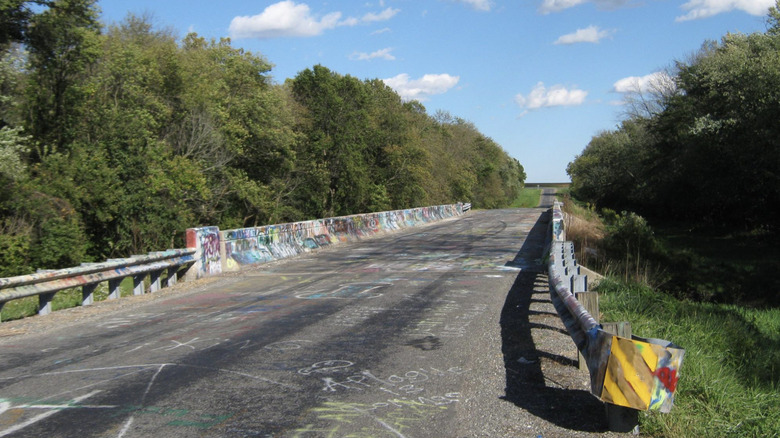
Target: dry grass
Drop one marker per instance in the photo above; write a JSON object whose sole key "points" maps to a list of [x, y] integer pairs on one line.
{"points": [[585, 229]]}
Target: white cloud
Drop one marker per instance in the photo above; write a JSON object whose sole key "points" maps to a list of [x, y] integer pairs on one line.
{"points": [[557, 95], [382, 54], [591, 34], [707, 8], [421, 89], [381, 31], [549, 6], [289, 19], [382, 16], [643, 84], [480, 5], [558, 5]]}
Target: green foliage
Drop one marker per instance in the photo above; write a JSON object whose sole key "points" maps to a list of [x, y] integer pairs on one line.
{"points": [[11, 79], [15, 240], [369, 146], [609, 172], [14, 20], [41, 230], [12, 148], [115, 140], [63, 42], [528, 198], [710, 154], [630, 237], [773, 20]]}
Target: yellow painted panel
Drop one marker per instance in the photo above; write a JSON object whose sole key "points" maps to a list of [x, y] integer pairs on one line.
{"points": [[629, 380]]}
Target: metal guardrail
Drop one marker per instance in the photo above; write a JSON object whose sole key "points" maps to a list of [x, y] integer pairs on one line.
{"points": [[205, 251], [628, 372], [88, 276]]}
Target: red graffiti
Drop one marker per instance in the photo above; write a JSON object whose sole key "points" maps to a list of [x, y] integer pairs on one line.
{"points": [[668, 377]]}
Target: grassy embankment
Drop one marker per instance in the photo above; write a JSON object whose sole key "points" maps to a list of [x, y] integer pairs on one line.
{"points": [[730, 378], [531, 194], [528, 198]]}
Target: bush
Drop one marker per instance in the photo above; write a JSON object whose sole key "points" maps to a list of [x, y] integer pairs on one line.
{"points": [[14, 248], [39, 231], [630, 237]]}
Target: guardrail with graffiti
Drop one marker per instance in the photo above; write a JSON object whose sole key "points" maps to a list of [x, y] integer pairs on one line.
{"points": [[630, 372], [219, 251], [211, 251], [88, 276]]}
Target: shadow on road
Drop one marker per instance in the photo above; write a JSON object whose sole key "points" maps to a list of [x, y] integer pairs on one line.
{"points": [[525, 381]]}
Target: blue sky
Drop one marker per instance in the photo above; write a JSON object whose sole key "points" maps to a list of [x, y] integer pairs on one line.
{"points": [[540, 77]]}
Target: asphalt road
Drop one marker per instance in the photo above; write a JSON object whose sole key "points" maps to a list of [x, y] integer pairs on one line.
{"points": [[424, 333], [547, 198]]}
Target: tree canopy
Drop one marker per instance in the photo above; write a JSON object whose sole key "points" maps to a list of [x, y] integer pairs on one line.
{"points": [[712, 150], [115, 139]]}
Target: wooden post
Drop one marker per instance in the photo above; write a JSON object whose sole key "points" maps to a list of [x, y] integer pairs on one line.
{"points": [[622, 329], [590, 301], [620, 418], [172, 276], [154, 280]]}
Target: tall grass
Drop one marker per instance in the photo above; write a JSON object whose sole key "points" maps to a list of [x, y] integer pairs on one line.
{"points": [[730, 378], [620, 245], [583, 227]]}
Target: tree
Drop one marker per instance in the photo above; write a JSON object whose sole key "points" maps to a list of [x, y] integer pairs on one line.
{"points": [[715, 141], [12, 77], [241, 129], [63, 42], [736, 102], [773, 20], [611, 171], [649, 99], [12, 148], [337, 138], [14, 18]]}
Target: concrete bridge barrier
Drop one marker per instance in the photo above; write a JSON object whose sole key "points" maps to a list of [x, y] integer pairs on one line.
{"points": [[211, 251], [219, 251]]}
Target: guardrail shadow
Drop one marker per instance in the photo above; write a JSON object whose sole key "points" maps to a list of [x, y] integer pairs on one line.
{"points": [[526, 383]]}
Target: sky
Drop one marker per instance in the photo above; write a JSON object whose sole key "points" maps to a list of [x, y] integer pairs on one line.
{"points": [[539, 77]]}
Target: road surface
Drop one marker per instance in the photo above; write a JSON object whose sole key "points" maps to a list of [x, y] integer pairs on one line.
{"points": [[441, 331]]}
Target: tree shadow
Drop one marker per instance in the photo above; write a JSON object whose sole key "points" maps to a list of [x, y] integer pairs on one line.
{"points": [[577, 410]]}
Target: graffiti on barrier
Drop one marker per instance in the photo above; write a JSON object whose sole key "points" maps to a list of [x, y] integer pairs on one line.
{"points": [[206, 242], [232, 249], [641, 375]]}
